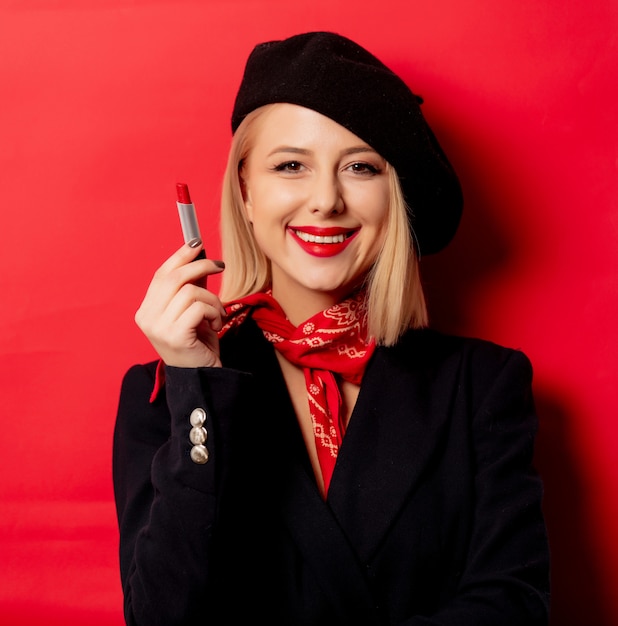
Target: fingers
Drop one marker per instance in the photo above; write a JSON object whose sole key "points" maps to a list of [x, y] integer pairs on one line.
{"points": [[178, 270], [179, 317], [200, 316], [205, 305], [195, 328], [185, 254], [181, 265]]}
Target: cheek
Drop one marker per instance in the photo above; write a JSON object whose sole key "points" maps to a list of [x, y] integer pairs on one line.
{"points": [[378, 241], [375, 209], [370, 197], [273, 202], [377, 218]]}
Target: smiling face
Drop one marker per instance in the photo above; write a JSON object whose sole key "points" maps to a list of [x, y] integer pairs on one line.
{"points": [[318, 199]]}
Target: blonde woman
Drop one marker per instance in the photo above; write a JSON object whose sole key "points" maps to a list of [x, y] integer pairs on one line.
{"points": [[306, 450]]}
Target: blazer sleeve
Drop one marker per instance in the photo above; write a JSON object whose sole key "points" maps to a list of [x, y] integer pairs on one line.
{"points": [[166, 504], [506, 578]]}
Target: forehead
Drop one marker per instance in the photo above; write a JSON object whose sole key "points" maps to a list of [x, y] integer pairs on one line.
{"points": [[297, 126]]}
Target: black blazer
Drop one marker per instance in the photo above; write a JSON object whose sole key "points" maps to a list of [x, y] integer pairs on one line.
{"points": [[433, 516]]}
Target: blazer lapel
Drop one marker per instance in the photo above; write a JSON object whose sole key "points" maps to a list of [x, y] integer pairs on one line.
{"points": [[394, 429]]}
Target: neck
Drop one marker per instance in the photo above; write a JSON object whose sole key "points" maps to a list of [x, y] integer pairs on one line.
{"points": [[300, 301], [301, 304]]}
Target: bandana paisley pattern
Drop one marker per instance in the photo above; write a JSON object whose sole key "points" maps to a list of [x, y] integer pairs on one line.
{"points": [[331, 344]]}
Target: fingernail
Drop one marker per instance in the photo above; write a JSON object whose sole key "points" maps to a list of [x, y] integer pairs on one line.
{"points": [[194, 243], [220, 264]]}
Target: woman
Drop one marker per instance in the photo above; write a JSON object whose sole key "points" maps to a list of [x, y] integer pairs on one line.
{"points": [[310, 453]]}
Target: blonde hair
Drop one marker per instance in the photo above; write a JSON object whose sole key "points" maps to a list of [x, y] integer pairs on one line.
{"points": [[395, 299]]}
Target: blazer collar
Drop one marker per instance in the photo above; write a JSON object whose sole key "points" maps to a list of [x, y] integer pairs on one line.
{"points": [[393, 431]]}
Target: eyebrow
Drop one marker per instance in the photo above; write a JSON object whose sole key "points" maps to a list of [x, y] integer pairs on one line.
{"points": [[347, 152]]}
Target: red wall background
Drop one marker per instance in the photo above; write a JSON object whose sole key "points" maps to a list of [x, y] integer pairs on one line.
{"points": [[106, 104]]}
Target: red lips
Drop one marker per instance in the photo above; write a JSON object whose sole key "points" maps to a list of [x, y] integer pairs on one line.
{"points": [[323, 242]]}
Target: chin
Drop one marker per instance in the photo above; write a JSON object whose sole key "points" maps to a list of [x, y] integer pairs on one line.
{"points": [[335, 291]]}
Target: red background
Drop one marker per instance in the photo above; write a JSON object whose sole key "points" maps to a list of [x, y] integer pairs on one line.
{"points": [[106, 104]]}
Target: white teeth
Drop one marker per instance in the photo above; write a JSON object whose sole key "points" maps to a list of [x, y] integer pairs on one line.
{"points": [[319, 239]]}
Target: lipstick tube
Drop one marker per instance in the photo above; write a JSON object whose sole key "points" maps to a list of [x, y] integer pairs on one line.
{"points": [[188, 217]]}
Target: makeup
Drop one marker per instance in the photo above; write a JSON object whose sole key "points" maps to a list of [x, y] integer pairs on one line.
{"points": [[323, 242], [188, 217]]}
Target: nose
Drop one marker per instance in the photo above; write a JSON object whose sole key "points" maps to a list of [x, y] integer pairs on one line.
{"points": [[326, 195]]}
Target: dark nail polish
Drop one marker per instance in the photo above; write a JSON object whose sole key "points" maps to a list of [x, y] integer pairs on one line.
{"points": [[220, 264], [194, 243]]}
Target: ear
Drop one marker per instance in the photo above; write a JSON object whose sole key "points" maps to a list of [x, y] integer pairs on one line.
{"points": [[246, 196]]}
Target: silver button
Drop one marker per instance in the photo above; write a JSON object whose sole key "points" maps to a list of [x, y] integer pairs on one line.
{"points": [[199, 454], [198, 435], [197, 417]]}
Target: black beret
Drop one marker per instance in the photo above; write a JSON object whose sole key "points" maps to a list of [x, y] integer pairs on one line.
{"points": [[338, 78]]}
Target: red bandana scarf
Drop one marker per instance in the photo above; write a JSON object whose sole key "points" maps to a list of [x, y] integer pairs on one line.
{"points": [[331, 342]]}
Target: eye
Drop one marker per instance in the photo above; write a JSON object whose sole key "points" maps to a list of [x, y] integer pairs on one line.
{"points": [[364, 168], [289, 166]]}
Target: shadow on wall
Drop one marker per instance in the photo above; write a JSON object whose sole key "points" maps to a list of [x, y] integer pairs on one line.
{"points": [[576, 585], [479, 254]]}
